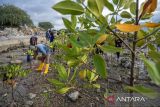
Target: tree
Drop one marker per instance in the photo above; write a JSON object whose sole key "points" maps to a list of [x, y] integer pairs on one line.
{"points": [[13, 16], [45, 25]]}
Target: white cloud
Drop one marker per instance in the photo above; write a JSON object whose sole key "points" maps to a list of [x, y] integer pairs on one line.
{"points": [[39, 10]]}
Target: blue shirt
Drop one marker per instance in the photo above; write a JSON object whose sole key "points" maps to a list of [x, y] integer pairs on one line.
{"points": [[42, 48]]}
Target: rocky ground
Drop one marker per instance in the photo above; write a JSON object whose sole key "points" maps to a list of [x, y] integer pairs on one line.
{"points": [[13, 37], [35, 91]]}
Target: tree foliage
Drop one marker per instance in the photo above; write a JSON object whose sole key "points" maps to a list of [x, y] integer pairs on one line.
{"points": [[45, 25], [13, 16]]}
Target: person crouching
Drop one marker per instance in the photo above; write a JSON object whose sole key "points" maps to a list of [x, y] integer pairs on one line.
{"points": [[45, 51]]}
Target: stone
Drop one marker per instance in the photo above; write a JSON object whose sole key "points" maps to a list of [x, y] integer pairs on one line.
{"points": [[97, 98], [29, 103], [2, 38], [112, 81], [125, 62], [32, 95], [16, 61], [20, 91], [45, 91], [4, 95], [115, 79], [74, 96], [119, 78], [141, 75]]}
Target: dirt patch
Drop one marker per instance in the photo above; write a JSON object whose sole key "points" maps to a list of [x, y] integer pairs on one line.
{"points": [[44, 93]]}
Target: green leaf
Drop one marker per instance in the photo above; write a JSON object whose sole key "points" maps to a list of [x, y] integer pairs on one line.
{"points": [[143, 90], [109, 5], [121, 3], [110, 49], [86, 39], [80, 1], [100, 5], [88, 17], [74, 42], [96, 85], [141, 35], [127, 4], [83, 58], [152, 69], [154, 55], [102, 20], [115, 2], [73, 62], [62, 72], [63, 90], [55, 82], [67, 24], [68, 7], [96, 6], [146, 16], [125, 14], [74, 21], [113, 20], [151, 47], [133, 8], [91, 75], [100, 65], [73, 76]]}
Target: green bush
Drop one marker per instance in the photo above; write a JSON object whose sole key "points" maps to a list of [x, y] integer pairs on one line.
{"points": [[12, 16]]}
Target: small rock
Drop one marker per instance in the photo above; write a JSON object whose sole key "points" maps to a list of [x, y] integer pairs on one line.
{"points": [[97, 98], [49, 90], [2, 38], [16, 62], [119, 78], [30, 103], [142, 75], [45, 91], [4, 95], [31, 95], [112, 81], [74, 96], [125, 62], [20, 91]]}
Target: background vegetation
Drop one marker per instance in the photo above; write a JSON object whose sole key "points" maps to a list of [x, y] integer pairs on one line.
{"points": [[13, 16]]}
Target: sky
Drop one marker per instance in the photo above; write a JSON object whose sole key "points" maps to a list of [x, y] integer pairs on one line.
{"points": [[40, 10]]}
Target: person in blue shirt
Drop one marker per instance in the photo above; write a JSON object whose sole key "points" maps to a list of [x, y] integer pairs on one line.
{"points": [[45, 51]]}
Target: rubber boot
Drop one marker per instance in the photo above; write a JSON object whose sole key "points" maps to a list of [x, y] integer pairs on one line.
{"points": [[40, 67], [46, 69]]}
